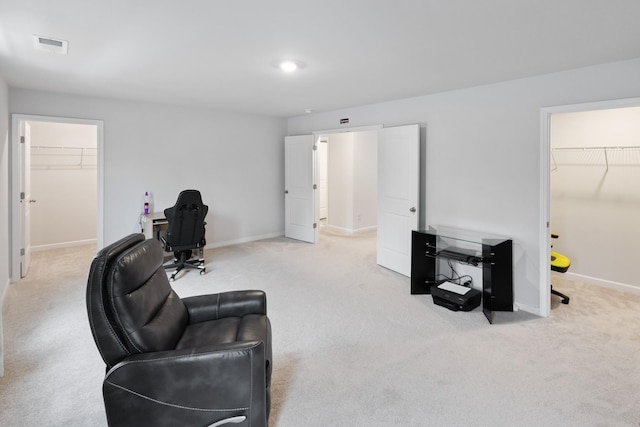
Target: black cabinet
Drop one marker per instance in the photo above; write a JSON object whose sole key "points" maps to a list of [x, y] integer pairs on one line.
{"points": [[494, 254]]}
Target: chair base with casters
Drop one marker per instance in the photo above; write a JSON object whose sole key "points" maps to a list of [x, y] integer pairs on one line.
{"points": [[565, 299], [561, 264], [186, 231], [183, 260]]}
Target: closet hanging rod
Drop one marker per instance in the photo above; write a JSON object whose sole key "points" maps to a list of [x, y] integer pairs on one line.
{"points": [[605, 149]]}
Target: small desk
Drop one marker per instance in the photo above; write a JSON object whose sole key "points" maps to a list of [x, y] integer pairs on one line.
{"points": [[491, 253], [153, 225]]}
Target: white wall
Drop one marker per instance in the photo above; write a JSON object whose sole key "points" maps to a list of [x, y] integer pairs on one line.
{"points": [[340, 178], [4, 205], [365, 177], [352, 176], [596, 211], [235, 160], [482, 155], [63, 184]]}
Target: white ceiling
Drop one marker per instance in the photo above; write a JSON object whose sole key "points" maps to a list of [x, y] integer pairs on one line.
{"points": [[220, 54]]}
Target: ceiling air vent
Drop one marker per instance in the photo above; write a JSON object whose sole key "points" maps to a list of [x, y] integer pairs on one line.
{"points": [[49, 44]]}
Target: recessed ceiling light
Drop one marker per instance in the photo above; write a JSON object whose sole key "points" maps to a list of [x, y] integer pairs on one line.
{"points": [[288, 66], [49, 44]]}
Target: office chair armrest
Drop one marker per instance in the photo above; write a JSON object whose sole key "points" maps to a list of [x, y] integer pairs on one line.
{"points": [[203, 308]]}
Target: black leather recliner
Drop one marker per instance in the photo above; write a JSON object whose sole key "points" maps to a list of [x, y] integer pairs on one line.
{"points": [[197, 361]]}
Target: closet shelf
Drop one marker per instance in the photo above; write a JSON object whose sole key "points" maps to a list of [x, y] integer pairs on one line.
{"points": [[46, 157], [625, 155]]}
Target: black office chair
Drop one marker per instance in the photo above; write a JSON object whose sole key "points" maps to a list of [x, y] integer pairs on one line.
{"points": [[186, 231], [559, 263]]}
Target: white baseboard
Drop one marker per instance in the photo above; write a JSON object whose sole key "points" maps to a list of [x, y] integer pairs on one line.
{"points": [[243, 240], [365, 229], [348, 231], [599, 282], [63, 245], [527, 308], [280, 234]]}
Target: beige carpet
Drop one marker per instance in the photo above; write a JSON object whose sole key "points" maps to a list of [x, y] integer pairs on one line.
{"points": [[351, 346]]}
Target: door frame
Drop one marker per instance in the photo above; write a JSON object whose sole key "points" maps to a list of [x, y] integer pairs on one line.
{"points": [[320, 133], [545, 183], [14, 175]]}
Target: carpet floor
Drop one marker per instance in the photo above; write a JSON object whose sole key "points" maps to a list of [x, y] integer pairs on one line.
{"points": [[351, 345]]}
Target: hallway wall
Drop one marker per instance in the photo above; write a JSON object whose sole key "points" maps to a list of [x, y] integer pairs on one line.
{"points": [[236, 160], [483, 154]]}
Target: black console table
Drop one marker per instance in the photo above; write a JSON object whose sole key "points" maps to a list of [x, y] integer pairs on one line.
{"points": [[491, 253]]}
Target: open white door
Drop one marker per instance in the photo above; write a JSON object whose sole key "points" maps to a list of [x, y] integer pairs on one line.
{"points": [[398, 195], [299, 194], [20, 187], [25, 199]]}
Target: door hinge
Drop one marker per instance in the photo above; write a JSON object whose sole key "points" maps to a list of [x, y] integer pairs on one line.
{"points": [[22, 252], [315, 147], [315, 225], [315, 187], [22, 140]]}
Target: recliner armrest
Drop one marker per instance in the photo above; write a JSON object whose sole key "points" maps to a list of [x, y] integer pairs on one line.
{"points": [[203, 308]]}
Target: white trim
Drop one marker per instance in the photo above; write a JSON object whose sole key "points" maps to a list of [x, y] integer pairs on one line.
{"points": [[42, 248], [348, 231], [4, 293], [545, 145], [527, 308], [543, 230], [243, 240], [343, 130], [624, 287], [16, 119]]}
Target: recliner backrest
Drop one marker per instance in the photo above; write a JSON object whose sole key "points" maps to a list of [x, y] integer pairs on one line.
{"points": [[186, 228], [132, 307]]}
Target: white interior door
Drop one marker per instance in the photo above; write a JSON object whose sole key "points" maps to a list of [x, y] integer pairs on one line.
{"points": [[25, 200], [322, 177], [398, 195], [300, 195]]}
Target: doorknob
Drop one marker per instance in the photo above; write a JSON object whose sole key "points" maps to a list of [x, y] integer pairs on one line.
{"points": [[32, 201], [412, 210], [286, 191]]}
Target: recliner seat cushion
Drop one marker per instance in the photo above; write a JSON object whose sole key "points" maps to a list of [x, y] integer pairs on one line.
{"points": [[252, 327]]}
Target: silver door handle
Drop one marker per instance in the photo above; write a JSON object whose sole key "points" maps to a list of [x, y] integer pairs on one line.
{"points": [[412, 210]]}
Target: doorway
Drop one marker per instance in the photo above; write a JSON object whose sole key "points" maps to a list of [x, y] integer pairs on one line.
{"points": [[56, 178], [595, 193], [581, 157], [346, 175], [397, 187]]}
